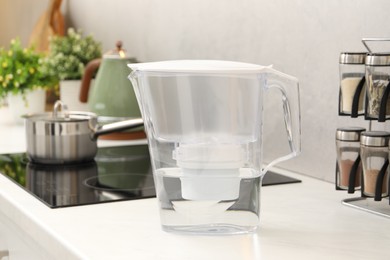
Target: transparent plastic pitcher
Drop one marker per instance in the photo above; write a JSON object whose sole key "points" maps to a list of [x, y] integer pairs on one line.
{"points": [[204, 125]]}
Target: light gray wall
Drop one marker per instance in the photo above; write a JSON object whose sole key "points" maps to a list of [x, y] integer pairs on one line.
{"points": [[18, 17], [299, 37]]}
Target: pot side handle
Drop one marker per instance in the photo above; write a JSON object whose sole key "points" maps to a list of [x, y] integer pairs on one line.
{"points": [[90, 69], [117, 127]]}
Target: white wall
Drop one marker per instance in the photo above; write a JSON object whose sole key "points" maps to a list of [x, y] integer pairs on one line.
{"points": [[299, 37]]}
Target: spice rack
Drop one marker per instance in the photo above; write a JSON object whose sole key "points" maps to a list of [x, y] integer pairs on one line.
{"points": [[370, 88]]}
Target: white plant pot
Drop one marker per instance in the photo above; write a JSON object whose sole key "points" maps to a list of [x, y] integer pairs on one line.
{"points": [[69, 95], [34, 102]]}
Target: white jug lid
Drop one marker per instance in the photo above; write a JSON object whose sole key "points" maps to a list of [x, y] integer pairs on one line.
{"points": [[198, 66]]}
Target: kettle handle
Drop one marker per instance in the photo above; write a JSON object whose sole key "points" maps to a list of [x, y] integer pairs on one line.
{"points": [[289, 88], [90, 69]]}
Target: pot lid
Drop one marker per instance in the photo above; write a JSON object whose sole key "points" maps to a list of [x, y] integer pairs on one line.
{"points": [[72, 116], [197, 66], [61, 116]]}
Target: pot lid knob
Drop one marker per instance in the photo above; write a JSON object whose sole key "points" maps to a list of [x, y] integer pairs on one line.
{"points": [[64, 108]]}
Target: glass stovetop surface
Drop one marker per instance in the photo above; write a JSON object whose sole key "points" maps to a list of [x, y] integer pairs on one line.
{"points": [[117, 173]]}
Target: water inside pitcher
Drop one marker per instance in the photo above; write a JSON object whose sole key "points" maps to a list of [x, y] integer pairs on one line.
{"points": [[204, 125]]}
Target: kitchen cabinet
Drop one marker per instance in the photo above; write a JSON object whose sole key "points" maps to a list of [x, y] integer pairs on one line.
{"points": [[15, 244]]}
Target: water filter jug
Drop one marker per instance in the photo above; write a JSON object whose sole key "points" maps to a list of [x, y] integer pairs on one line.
{"points": [[204, 125]]}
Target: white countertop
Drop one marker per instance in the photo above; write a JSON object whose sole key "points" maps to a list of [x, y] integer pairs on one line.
{"points": [[298, 221]]}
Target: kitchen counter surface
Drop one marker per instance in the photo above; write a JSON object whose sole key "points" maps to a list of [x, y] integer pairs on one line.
{"points": [[298, 221]]}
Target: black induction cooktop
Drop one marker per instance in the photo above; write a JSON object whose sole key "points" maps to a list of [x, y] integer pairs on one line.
{"points": [[117, 173]]}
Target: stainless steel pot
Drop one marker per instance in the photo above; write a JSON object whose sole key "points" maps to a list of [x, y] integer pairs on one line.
{"points": [[67, 136]]}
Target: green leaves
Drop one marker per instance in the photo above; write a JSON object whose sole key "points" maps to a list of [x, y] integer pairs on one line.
{"points": [[69, 55], [21, 70]]}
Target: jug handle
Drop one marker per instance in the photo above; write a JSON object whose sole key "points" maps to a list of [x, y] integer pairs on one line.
{"points": [[90, 69], [289, 88]]}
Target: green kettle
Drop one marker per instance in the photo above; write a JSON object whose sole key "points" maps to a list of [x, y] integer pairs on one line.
{"points": [[111, 96]]}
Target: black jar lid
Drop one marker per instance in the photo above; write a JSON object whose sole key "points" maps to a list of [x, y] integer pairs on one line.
{"points": [[375, 138], [349, 133]]}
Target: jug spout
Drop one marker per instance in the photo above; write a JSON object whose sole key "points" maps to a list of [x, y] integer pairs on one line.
{"points": [[133, 77]]}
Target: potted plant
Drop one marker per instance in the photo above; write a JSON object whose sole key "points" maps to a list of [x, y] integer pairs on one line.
{"points": [[66, 60], [22, 79]]}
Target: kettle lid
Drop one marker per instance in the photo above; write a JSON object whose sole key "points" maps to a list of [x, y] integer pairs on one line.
{"points": [[197, 66], [117, 53]]}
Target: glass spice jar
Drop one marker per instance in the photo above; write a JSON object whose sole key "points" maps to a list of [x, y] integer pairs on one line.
{"points": [[378, 80], [352, 83], [349, 169], [374, 152]]}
